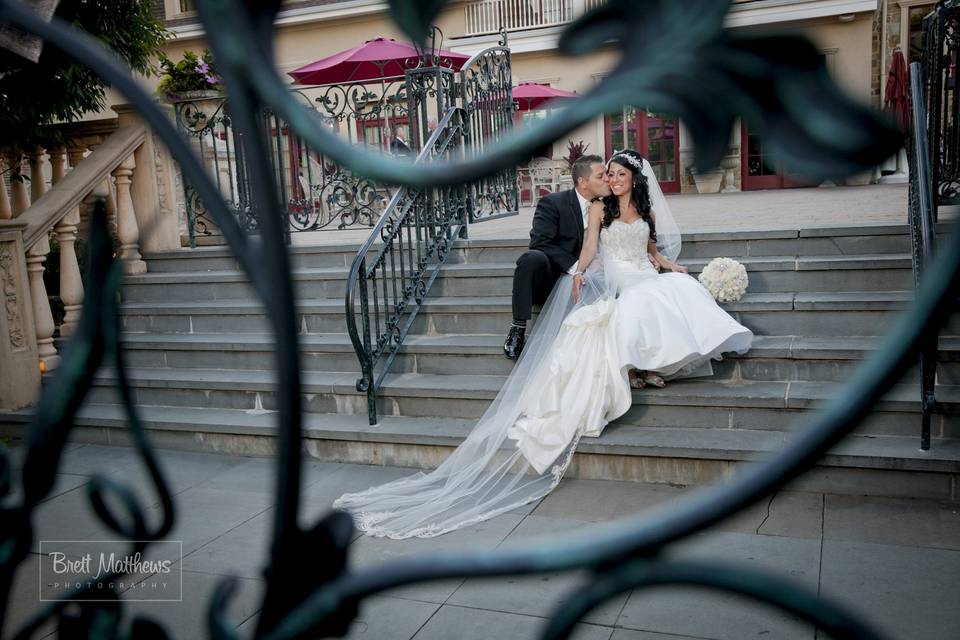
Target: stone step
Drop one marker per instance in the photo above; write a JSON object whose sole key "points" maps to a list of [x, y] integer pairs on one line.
{"points": [[821, 241], [775, 358], [702, 403], [767, 275], [803, 314], [864, 465]]}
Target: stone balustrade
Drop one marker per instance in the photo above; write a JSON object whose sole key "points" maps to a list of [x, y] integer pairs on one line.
{"points": [[50, 191]]}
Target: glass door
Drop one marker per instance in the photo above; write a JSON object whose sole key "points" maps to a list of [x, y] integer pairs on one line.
{"points": [[655, 135], [758, 167]]}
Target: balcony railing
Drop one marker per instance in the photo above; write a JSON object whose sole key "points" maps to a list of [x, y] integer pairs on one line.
{"points": [[491, 16]]}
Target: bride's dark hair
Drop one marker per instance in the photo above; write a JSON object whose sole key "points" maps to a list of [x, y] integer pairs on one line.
{"points": [[640, 191]]}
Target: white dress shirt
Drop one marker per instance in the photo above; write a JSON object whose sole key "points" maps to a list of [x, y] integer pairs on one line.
{"points": [[584, 209]]}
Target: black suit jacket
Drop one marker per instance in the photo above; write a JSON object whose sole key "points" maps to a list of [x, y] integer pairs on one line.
{"points": [[558, 229]]}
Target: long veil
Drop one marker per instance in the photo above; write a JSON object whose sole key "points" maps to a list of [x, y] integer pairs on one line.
{"points": [[488, 474]]}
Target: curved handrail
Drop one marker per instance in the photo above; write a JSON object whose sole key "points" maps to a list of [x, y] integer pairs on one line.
{"points": [[921, 153], [922, 211], [423, 155], [359, 274]]}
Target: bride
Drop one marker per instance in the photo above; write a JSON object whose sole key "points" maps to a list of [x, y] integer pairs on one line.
{"points": [[616, 325]]}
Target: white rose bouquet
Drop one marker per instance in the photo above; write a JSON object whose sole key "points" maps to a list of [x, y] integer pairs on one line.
{"points": [[725, 279]]}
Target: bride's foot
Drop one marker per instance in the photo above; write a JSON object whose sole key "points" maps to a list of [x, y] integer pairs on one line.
{"points": [[654, 380], [636, 382]]}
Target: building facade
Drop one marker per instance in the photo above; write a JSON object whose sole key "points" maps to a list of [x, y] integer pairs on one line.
{"points": [[856, 37]]}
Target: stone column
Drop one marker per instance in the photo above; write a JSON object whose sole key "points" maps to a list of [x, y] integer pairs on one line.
{"points": [[43, 317], [19, 371], [38, 183], [127, 231]]}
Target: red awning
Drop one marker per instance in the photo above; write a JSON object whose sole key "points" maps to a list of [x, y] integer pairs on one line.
{"points": [[530, 95], [373, 60]]}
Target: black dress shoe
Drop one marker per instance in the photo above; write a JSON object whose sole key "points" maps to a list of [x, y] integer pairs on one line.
{"points": [[514, 344]]}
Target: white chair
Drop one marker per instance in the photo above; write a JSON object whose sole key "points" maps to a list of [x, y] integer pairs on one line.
{"points": [[544, 174]]}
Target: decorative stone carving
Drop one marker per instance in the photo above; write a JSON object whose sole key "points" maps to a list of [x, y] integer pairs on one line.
{"points": [[19, 365], [161, 166], [5, 212], [11, 301]]}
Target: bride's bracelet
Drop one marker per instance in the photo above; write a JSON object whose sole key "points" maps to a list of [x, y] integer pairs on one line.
{"points": [[578, 273]]}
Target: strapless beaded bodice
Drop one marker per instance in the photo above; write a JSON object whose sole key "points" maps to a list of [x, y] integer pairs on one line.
{"points": [[626, 242]]}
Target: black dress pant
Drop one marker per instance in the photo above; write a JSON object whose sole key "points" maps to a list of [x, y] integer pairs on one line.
{"points": [[533, 281]]}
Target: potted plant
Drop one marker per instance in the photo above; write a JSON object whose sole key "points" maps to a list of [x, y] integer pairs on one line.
{"points": [[192, 77], [574, 152]]}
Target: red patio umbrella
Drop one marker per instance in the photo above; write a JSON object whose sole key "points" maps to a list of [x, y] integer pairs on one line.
{"points": [[897, 100], [530, 95], [373, 60]]}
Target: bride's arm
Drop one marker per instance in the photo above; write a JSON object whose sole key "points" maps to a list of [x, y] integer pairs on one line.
{"points": [[589, 250], [662, 260]]}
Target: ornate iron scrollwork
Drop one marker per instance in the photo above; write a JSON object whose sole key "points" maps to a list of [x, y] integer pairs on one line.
{"points": [[675, 55], [317, 193], [400, 268], [941, 42]]}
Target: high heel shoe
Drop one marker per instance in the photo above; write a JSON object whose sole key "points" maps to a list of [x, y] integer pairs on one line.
{"points": [[654, 380]]}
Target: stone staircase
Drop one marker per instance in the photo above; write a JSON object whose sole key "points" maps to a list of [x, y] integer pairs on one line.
{"points": [[200, 359]]}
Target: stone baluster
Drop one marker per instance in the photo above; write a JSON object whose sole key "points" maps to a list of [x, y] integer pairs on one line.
{"points": [[71, 284], [20, 198], [42, 316], [38, 183], [76, 149], [58, 164], [92, 143], [128, 232], [6, 213]]}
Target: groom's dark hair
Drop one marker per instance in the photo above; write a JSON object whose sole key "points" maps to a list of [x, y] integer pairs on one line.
{"points": [[582, 167]]}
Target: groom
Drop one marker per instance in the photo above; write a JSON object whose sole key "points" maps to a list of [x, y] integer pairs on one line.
{"points": [[555, 242]]}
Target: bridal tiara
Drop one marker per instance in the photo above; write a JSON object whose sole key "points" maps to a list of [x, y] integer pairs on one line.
{"points": [[634, 162]]}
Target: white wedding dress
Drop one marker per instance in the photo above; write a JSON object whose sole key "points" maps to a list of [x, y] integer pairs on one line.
{"points": [[571, 380], [659, 322]]}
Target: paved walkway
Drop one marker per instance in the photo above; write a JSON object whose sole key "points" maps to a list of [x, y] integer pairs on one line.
{"points": [[895, 561], [742, 211]]}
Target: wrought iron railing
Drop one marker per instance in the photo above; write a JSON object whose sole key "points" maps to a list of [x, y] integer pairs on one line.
{"points": [[672, 54], [486, 93], [317, 193], [396, 266], [941, 42], [922, 236]]}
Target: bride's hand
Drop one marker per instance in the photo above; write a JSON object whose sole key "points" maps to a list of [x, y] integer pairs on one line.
{"points": [[577, 285], [676, 268]]}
